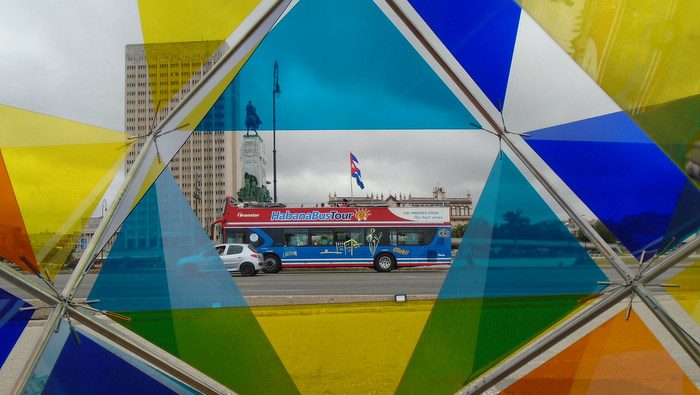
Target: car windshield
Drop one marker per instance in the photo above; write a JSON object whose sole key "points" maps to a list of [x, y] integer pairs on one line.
{"points": [[252, 248]]}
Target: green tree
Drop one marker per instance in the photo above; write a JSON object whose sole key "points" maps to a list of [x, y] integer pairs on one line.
{"points": [[601, 229], [458, 231]]}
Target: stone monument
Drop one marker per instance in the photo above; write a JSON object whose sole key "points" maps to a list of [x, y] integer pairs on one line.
{"points": [[253, 165]]}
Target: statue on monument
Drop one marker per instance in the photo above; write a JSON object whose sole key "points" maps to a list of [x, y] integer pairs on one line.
{"points": [[251, 192], [252, 120]]}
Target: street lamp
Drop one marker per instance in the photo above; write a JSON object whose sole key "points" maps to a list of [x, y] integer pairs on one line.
{"points": [[275, 91]]}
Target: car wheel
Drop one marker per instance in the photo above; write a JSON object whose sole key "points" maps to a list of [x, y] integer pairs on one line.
{"points": [[384, 262], [247, 269], [272, 264]]}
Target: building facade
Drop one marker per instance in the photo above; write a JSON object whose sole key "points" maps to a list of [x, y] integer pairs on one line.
{"points": [[460, 207], [158, 76]]}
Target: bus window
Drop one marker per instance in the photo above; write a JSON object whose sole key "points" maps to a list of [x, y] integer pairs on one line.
{"points": [[235, 235], [296, 237], [409, 236], [321, 237], [342, 235], [393, 237], [381, 233], [358, 234]]}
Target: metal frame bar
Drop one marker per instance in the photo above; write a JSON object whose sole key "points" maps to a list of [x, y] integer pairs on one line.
{"points": [[631, 281], [671, 260], [164, 361]]}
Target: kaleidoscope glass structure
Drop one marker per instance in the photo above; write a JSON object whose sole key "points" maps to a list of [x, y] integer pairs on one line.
{"points": [[580, 126]]}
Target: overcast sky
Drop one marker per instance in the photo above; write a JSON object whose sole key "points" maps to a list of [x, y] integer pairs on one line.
{"points": [[67, 59]]}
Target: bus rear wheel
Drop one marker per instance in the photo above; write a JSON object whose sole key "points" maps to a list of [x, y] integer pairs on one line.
{"points": [[384, 262], [272, 264]]}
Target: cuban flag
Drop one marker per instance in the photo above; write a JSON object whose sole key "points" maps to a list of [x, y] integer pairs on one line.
{"points": [[355, 171]]}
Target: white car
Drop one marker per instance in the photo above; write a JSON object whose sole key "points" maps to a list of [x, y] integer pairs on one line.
{"points": [[243, 258]]}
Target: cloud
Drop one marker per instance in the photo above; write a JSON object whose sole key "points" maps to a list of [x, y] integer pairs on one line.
{"points": [[312, 164]]}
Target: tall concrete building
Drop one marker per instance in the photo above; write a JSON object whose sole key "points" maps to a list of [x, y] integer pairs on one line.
{"points": [[158, 76]]}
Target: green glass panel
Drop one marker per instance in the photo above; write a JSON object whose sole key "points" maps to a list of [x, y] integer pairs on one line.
{"points": [[227, 344], [465, 337], [675, 126]]}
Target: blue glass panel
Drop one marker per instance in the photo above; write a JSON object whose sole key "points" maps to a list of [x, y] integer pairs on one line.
{"points": [[480, 35], [516, 246], [133, 277], [163, 260], [686, 217], [610, 156], [342, 66], [91, 366], [12, 322]]}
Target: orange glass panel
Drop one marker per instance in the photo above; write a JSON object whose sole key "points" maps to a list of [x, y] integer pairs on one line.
{"points": [[619, 357], [14, 241]]}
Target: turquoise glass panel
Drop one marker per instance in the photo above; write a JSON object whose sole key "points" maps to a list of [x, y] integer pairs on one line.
{"points": [[77, 363], [515, 245], [196, 275], [163, 260], [624, 178], [12, 322], [343, 65], [480, 35]]}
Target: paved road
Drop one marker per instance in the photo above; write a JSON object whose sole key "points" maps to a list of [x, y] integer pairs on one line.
{"points": [[411, 281]]}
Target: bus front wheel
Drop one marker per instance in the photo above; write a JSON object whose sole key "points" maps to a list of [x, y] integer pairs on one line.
{"points": [[272, 264], [384, 262]]}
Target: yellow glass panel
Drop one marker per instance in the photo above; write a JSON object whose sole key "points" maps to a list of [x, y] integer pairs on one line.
{"points": [[22, 128], [688, 292], [57, 189], [353, 348], [183, 29]]}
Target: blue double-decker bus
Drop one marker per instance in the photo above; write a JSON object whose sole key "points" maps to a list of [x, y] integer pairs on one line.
{"points": [[380, 237]]}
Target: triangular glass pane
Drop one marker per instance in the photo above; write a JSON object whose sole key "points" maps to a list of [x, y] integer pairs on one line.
{"points": [[342, 66], [15, 242], [12, 322], [480, 35], [76, 363], [164, 273], [517, 272], [610, 156], [620, 356]]}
